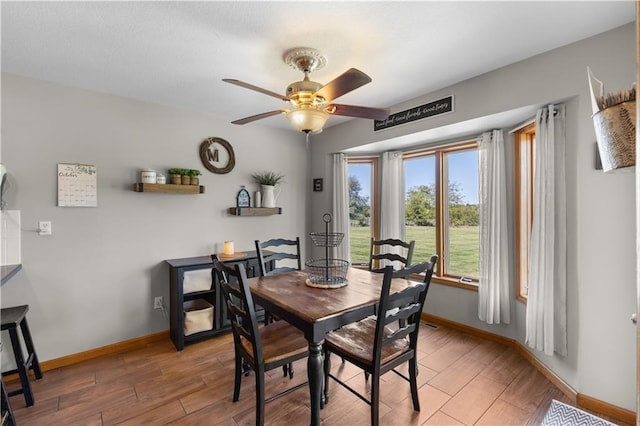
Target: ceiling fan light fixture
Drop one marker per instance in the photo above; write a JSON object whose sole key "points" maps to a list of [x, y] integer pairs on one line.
{"points": [[309, 98], [307, 120]]}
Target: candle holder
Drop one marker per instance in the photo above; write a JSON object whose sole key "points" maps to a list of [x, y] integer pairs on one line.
{"points": [[228, 248]]}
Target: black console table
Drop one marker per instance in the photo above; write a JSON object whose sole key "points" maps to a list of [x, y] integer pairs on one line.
{"points": [[213, 295]]}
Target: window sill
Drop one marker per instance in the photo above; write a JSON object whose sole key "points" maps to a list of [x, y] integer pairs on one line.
{"points": [[453, 282], [360, 265]]}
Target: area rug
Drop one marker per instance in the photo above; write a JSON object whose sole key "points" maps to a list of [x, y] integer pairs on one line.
{"points": [[560, 414]]}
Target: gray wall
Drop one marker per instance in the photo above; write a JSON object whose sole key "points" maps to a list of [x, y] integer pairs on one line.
{"points": [[92, 282], [601, 254]]}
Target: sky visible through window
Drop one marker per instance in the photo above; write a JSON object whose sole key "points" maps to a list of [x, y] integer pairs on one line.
{"points": [[421, 171]]}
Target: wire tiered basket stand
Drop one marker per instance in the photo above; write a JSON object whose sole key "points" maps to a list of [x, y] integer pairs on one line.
{"points": [[327, 273]]}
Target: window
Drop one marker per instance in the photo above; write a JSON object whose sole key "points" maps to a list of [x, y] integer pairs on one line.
{"points": [[524, 139], [362, 207], [442, 210]]}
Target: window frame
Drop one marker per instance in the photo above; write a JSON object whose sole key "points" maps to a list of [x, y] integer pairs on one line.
{"points": [[440, 275], [374, 161], [524, 140]]}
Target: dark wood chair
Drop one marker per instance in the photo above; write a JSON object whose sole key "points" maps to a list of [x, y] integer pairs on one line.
{"points": [[271, 255], [379, 251], [377, 348], [277, 255], [263, 348]]}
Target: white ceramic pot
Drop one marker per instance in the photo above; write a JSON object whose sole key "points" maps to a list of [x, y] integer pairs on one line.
{"points": [[269, 196]]}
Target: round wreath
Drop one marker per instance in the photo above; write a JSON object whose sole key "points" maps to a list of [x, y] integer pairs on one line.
{"points": [[207, 157]]}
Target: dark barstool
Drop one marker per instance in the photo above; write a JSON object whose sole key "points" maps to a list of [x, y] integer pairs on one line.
{"points": [[12, 318], [8, 419]]}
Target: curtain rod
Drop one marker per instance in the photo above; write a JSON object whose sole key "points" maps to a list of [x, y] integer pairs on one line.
{"points": [[533, 119]]}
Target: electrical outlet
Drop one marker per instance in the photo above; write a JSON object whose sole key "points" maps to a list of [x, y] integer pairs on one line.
{"points": [[44, 227], [157, 302]]}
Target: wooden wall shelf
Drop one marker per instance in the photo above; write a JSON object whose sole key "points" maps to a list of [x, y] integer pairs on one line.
{"points": [[254, 211], [168, 188]]}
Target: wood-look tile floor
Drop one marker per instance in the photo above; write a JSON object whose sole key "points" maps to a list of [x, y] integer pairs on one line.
{"points": [[462, 380]]}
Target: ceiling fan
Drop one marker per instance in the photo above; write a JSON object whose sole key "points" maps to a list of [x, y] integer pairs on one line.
{"points": [[311, 102]]}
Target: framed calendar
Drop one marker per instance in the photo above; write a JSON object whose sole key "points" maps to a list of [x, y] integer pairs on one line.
{"points": [[77, 185]]}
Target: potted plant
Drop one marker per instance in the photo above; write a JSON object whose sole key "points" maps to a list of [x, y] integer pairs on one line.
{"points": [[268, 181], [194, 173], [176, 176], [186, 178]]}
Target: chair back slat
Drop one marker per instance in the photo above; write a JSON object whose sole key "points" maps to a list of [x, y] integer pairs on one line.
{"points": [[277, 255], [385, 250], [282, 256], [400, 333], [392, 242], [389, 256], [235, 289], [402, 312]]}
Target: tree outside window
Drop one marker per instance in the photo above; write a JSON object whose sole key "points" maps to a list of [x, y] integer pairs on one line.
{"points": [[362, 198], [442, 211]]}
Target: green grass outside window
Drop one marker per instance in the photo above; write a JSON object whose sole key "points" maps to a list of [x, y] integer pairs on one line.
{"points": [[465, 243]]}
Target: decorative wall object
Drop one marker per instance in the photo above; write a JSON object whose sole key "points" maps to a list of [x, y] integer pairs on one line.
{"points": [[217, 155], [430, 109], [77, 185], [243, 199], [268, 181], [598, 160], [614, 120]]}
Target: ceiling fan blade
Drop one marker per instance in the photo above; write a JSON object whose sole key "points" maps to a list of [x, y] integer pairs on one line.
{"points": [[344, 83], [256, 88], [258, 116], [358, 111]]}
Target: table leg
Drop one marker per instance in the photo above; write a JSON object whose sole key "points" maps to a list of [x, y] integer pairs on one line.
{"points": [[315, 375]]}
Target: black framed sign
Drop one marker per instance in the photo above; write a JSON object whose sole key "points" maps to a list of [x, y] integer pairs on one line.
{"points": [[317, 185], [243, 199], [430, 109]]}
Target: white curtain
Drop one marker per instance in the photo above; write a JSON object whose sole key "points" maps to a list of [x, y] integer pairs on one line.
{"points": [[494, 287], [392, 200], [340, 215], [546, 317]]}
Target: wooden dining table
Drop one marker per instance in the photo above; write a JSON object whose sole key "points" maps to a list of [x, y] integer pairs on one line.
{"points": [[317, 311]]}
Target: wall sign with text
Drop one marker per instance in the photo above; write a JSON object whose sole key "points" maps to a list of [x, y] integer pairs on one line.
{"points": [[431, 109]]}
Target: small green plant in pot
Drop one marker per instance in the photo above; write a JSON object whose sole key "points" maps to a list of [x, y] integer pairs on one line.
{"points": [[176, 176], [193, 173], [268, 181], [268, 178], [186, 178]]}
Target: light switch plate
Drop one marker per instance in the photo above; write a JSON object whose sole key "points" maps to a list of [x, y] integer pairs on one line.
{"points": [[45, 228]]}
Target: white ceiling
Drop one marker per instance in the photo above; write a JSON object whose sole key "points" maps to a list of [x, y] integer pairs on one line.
{"points": [[177, 53]]}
